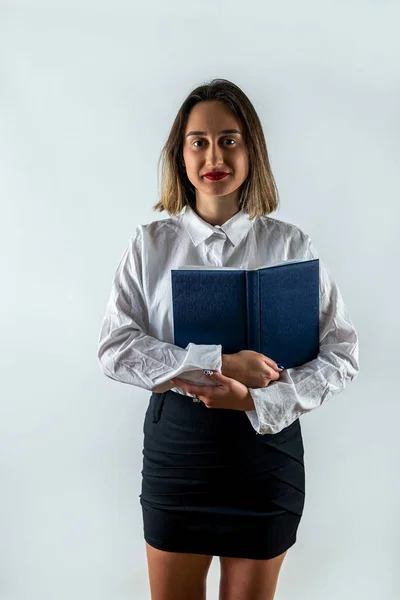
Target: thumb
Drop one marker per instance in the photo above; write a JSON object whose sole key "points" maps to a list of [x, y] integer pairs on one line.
{"points": [[215, 375]]}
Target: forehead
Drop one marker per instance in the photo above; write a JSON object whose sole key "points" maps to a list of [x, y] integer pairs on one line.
{"points": [[210, 116]]}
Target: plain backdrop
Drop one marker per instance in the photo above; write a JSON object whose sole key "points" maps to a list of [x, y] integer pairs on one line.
{"points": [[88, 93]]}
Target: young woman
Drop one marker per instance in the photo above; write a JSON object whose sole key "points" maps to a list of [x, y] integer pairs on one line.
{"points": [[223, 458]]}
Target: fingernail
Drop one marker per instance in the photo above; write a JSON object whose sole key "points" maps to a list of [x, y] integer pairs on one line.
{"points": [[281, 367]]}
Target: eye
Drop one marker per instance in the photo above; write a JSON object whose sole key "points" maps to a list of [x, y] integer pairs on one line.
{"points": [[226, 139]]}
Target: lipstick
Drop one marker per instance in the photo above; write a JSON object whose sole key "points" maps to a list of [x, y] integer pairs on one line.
{"points": [[216, 175]]}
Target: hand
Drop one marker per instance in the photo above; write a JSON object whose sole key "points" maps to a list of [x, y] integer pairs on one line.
{"points": [[253, 369], [228, 393]]}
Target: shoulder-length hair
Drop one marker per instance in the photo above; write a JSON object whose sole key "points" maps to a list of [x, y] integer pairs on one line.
{"points": [[259, 194]]}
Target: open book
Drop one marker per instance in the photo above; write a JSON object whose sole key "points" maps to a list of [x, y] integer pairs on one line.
{"points": [[272, 309], [205, 268]]}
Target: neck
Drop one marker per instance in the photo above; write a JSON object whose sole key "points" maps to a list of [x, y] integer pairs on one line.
{"points": [[216, 215]]}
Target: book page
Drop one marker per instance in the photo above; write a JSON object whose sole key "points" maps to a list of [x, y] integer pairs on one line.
{"points": [[207, 268]]}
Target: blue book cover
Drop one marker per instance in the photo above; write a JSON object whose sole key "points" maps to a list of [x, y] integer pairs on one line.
{"points": [[272, 309]]}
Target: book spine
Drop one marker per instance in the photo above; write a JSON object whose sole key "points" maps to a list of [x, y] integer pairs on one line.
{"points": [[253, 329]]}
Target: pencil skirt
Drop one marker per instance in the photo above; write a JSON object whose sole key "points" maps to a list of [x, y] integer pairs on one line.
{"points": [[211, 485]]}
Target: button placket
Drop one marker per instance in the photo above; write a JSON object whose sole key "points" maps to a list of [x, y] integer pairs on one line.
{"points": [[216, 250]]}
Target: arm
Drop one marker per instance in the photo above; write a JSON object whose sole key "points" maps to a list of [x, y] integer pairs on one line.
{"points": [[125, 350], [302, 389]]}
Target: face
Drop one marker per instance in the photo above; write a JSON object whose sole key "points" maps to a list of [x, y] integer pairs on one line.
{"points": [[215, 151]]}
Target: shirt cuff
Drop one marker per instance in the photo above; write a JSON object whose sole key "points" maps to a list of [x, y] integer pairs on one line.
{"points": [[260, 417], [199, 357]]}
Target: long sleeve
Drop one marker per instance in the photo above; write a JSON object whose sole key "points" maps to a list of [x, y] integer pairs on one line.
{"points": [[304, 388], [125, 350]]}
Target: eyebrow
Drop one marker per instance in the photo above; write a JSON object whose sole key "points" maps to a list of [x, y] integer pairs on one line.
{"points": [[205, 133]]}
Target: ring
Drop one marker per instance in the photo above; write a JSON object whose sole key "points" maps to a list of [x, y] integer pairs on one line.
{"points": [[195, 399]]}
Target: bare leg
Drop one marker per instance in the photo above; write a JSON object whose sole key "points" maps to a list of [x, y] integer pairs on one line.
{"points": [[247, 579], [177, 576]]}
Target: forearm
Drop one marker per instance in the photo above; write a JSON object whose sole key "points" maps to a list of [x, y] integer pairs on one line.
{"points": [[248, 403], [227, 365], [228, 369]]}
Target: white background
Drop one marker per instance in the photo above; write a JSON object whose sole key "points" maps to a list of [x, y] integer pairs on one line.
{"points": [[88, 93]]}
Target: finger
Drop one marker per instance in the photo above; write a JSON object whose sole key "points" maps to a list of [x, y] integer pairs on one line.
{"points": [[269, 371], [272, 363], [178, 382], [192, 389], [275, 375]]}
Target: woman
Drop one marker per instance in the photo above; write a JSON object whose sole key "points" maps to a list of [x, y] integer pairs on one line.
{"points": [[211, 486]]}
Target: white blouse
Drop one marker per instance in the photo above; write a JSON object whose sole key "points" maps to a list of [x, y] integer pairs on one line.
{"points": [[136, 342]]}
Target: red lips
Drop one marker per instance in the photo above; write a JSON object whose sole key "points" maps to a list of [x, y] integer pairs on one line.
{"points": [[215, 175]]}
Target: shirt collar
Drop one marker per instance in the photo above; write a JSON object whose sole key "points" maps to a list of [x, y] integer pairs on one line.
{"points": [[236, 228]]}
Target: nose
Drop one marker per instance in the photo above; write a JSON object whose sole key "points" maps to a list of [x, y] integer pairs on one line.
{"points": [[214, 156]]}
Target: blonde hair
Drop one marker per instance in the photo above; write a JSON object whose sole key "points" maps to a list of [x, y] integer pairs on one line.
{"points": [[259, 194]]}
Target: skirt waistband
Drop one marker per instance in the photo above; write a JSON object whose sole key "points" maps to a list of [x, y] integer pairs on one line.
{"points": [[182, 407]]}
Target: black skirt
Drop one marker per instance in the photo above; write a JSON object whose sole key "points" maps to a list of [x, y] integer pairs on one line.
{"points": [[211, 485]]}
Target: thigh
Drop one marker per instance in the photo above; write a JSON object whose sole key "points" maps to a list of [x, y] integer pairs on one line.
{"points": [[248, 579], [177, 576]]}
